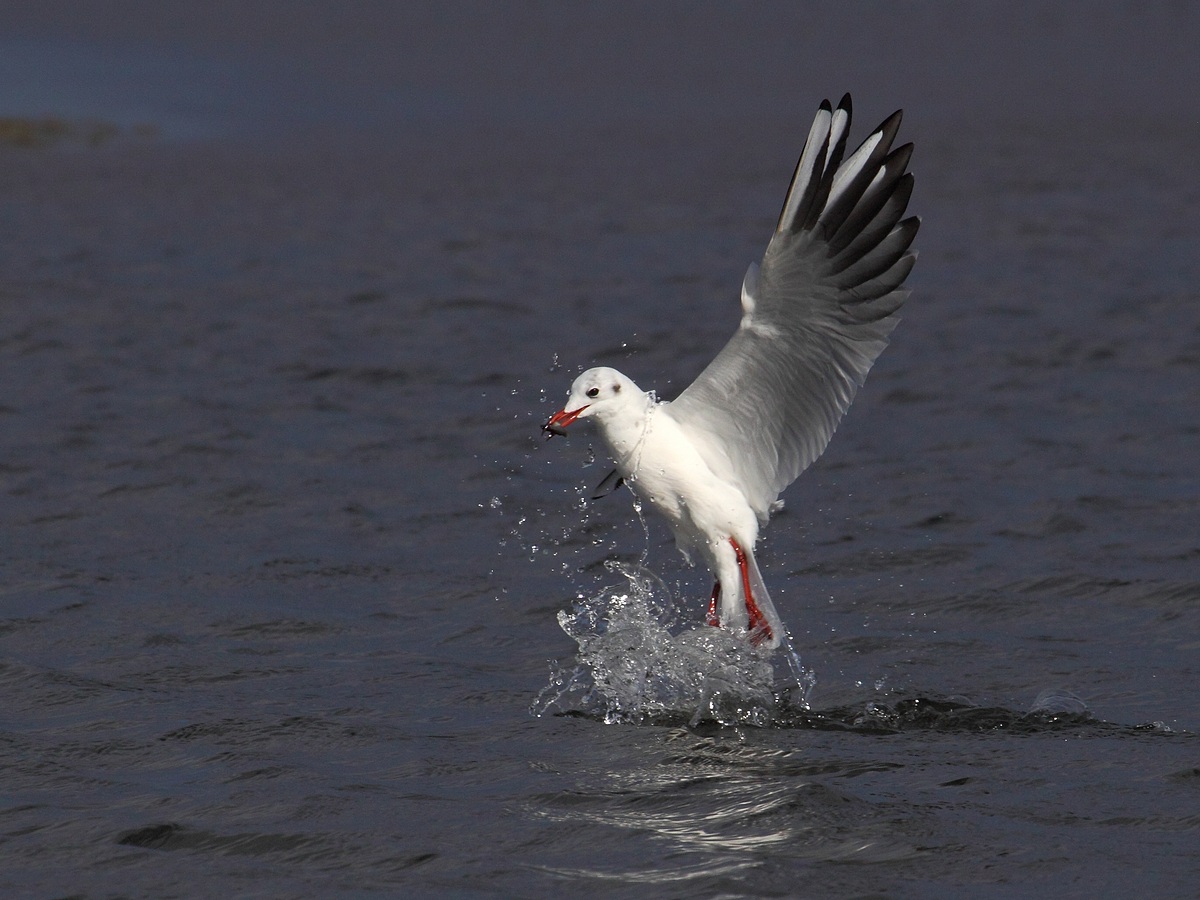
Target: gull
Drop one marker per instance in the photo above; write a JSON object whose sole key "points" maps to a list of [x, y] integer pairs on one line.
{"points": [[816, 313]]}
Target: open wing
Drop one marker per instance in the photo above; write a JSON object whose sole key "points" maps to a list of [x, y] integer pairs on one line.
{"points": [[816, 312]]}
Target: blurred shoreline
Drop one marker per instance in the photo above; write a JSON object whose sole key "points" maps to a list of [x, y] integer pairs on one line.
{"points": [[268, 68]]}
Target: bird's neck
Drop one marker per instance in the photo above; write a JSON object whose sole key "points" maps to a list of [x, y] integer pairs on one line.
{"points": [[626, 431]]}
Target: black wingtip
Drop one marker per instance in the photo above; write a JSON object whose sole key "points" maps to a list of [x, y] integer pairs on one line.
{"points": [[890, 126], [824, 181]]}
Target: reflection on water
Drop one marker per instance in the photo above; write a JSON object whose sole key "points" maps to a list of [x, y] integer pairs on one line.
{"points": [[753, 802], [718, 806]]}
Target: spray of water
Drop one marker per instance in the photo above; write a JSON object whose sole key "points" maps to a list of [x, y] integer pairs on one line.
{"points": [[638, 662]]}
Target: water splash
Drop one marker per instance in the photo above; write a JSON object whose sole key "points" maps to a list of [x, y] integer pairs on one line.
{"points": [[1058, 702], [640, 661]]}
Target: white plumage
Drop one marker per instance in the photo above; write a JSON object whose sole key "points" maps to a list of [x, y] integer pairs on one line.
{"points": [[816, 313]]}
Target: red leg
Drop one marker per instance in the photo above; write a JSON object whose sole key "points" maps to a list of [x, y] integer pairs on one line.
{"points": [[760, 628], [713, 619]]}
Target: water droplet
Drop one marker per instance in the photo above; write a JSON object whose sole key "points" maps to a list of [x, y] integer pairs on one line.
{"points": [[639, 660]]}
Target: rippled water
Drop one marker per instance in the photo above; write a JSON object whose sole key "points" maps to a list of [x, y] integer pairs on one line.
{"points": [[295, 601]]}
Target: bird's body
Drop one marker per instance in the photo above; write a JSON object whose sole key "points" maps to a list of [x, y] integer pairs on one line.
{"points": [[816, 314]]}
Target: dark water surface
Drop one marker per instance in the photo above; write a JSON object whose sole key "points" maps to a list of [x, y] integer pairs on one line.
{"points": [[282, 549]]}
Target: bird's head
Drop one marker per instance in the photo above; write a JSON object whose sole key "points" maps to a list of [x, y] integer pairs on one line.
{"points": [[600, 393]]}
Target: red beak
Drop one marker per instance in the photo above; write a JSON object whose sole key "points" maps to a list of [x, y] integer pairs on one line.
{"points": [[557, 423]]}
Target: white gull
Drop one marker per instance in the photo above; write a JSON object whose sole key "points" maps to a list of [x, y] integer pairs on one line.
{"points": [[816, 313]]}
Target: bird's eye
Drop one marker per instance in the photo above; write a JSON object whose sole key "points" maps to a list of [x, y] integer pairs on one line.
{"points": [[593, 392]]}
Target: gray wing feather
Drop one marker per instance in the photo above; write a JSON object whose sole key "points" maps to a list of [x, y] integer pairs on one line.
{"points": [[817, 312]]}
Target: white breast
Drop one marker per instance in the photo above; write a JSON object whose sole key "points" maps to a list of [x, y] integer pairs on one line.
{"points": [[665, 469]]}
